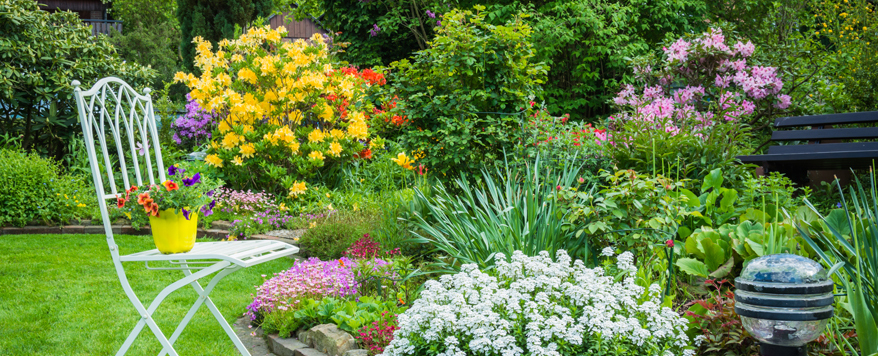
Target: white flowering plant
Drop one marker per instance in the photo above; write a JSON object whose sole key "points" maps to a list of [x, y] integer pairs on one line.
{"points": [[537, 306]]}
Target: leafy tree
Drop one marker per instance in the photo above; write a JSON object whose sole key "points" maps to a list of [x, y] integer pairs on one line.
{"points": [[41, 53], [150, 36], [146, 12], [587, 43], [215, 20], [354, 23]]}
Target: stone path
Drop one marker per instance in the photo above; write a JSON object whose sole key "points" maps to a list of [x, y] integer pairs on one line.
{"points": [[255, 344]]}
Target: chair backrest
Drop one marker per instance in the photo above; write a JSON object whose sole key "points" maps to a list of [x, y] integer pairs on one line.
{"points": [[123, 125]]}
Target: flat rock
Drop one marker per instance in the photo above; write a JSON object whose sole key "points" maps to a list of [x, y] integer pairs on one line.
{"points": [[357, 352], [329, 339], [94, 229], [308, 352], [284, 346], [221, 225], [287, 234]]}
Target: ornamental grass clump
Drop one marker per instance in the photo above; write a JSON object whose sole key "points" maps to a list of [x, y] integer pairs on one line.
{"points": [[536, 306]]}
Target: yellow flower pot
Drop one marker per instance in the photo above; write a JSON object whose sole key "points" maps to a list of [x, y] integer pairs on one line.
{"points": [[172, 233]]}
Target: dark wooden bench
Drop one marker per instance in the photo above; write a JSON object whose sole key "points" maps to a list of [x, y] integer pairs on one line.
{"points": [[824, 149]]}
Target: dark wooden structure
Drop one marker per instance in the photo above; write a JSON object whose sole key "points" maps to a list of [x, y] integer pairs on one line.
{"points": [[296, 29], [92, 13], [824, 149]]}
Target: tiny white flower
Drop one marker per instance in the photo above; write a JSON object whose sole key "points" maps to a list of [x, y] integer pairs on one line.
{"points": [[608, 251]]}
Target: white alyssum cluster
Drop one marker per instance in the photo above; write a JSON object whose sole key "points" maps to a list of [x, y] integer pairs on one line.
{"points": [[536, 306]]}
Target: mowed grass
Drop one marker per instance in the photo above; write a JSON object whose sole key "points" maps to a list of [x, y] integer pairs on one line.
{"points": [[60, 295]]}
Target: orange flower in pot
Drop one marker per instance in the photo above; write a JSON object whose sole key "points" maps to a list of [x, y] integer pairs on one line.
{"points": [[172, 208]]}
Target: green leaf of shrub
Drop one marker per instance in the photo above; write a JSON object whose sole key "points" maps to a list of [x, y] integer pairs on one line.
{"points": [[693, 267]]}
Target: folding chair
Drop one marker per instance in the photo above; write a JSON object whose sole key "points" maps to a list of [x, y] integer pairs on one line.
{"points": [[112, 104]]}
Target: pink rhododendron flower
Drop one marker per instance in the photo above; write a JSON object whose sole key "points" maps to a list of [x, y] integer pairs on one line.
{"points": [[745, 50], [783, 101], [679, 51]]}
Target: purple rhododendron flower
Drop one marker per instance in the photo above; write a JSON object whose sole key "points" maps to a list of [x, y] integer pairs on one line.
{"points": [[194, 127]]}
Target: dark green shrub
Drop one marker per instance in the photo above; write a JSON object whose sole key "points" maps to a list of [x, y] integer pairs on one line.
{"points": [[151, 36], [34, 188], [586, 44], [41, 53], [463, 95], [329, 239]]}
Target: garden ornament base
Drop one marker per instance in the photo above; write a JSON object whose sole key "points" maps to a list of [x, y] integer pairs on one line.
{"points": [[776, 350]]}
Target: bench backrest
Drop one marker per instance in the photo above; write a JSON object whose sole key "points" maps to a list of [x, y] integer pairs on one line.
{"points": [[818, 121], [827, 119]]}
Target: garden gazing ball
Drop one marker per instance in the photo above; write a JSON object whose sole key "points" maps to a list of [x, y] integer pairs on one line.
{"points": [[784, 299]]}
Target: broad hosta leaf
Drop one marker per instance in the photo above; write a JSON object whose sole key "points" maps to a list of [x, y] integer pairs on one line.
{"points": [[693, 267], [724, 270], [713, 180], [837, 219], [714, 254]]}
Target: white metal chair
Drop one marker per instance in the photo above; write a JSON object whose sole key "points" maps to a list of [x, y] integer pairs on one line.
{"points": [[112, 104]]}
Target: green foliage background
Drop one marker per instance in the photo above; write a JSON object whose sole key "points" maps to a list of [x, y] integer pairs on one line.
{"points": [[41, 53], [465, 95], [150, 36], [215, 20]]}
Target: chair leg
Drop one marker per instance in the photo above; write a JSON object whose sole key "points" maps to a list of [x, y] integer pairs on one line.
{"points": [[146, 313], [203, 297]]}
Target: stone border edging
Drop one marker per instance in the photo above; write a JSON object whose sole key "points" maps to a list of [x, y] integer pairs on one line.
{"points": [[99, 229], [219, 234]]}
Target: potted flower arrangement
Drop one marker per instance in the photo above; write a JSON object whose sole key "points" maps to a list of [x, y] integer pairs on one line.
{"points": [[172, 208]]}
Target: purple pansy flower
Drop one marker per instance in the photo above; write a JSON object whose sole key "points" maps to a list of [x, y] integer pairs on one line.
{"points": [[191, 181]]}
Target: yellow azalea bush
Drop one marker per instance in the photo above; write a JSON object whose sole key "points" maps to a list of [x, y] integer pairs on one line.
{"points": [[849, 29], [285, 110]]}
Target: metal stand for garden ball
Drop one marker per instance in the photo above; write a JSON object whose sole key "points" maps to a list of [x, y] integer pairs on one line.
{"points": [[776, 350]]}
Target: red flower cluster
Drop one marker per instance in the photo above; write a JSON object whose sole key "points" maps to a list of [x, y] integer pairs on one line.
{"points": [[120, 203], [378, 335], [399, 120], [575, 136], [367, 74], [364, 154], [366, 248]]}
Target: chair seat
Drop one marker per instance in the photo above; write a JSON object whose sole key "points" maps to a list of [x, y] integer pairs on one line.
{"points": [[241, 253]]}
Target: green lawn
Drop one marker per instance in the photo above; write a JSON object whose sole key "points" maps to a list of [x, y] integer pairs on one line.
{"points": [[59, 295]]}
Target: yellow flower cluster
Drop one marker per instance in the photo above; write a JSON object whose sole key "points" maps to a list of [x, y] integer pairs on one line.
{"points": [[278, 103], [403, 161]]}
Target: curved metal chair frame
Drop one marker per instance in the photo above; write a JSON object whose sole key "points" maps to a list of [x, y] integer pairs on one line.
{"points": [[112, 104]]}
